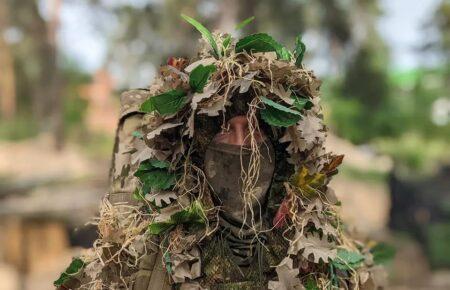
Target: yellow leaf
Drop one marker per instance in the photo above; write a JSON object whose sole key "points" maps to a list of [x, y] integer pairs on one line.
{"points": [[308, 184]]}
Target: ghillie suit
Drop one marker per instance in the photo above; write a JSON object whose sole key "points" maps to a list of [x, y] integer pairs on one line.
{"points": [[219, 181]]}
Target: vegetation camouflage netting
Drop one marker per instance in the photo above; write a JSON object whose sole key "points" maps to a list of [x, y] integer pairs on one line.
{"points": [[175, 213]]}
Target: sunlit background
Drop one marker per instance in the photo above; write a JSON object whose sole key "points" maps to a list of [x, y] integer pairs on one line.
{"points": [[385, 67]]}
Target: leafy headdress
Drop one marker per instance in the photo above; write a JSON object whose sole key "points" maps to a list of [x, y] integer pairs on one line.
{"points": [[186, 106]]}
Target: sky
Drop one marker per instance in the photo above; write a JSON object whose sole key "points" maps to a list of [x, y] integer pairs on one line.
{"points": [[402, 28], [400, 25]]}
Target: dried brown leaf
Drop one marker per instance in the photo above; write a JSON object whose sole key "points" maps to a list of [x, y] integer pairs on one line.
{"points": [[203, 61], [312, 244], [287, 277], [186, 265], [159, 197], [152, 134]]}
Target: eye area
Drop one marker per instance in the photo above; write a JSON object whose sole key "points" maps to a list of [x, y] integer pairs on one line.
{"points": [[237, 132]]}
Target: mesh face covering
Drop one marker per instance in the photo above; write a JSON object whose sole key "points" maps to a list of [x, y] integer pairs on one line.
{"points": [[223, 169]]}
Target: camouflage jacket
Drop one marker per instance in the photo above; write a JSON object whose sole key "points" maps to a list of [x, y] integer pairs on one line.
{"points": [[151, 274]]}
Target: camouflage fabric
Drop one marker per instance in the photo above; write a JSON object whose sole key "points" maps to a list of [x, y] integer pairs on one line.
{"points": [[151, 274], [221, 269], [122, 182]]}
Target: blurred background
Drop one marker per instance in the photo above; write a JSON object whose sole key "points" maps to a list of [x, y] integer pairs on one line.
{"points": [[386, 96]]}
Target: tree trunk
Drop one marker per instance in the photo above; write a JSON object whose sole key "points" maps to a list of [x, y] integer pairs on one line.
{"points": [[55, 85], [40, 48], [7, 77]]}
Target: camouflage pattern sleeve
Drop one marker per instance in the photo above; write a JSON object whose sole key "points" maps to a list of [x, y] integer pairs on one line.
{"points": [[125, 161], [122, 180]]}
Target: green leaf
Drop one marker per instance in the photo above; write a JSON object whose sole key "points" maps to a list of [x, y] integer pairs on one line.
{"points": [[206, 34], [199, 77], [137, 134], [159, 228], [193, 215], [159, 163], [347, 260], [150, 164], [311, 284], [226, 42], [277, 106], [382, 253], [166, 103], [154, 175], [75, 266], [262, 42], [333, 277], [158, 180], [278, 115], [244, 23], [299, 50], [302, 103], [144, 167], [137, 194], [148, 106], [168, 263], [284, 54]]}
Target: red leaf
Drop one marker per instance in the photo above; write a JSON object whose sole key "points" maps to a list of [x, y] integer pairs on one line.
{"points": [[280, 217], [171, 61], [177, 62]]}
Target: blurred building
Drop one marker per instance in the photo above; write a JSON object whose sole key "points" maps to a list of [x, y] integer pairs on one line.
{"points": [[46, 198], [103, 109]]}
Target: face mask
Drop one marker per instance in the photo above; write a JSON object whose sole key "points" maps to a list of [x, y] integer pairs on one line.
{"points": [[226, 156]]}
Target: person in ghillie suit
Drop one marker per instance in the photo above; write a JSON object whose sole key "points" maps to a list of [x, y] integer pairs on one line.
{"points": [[220, 181]]}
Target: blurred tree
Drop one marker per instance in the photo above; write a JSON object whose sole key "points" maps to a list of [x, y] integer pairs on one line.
{"points": [[432, 83], [35, 56], [366, 77], [421, 103], [7, 78], [149, 32], [441, 21], [148, 35], [366, 110], [335, 25]]}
